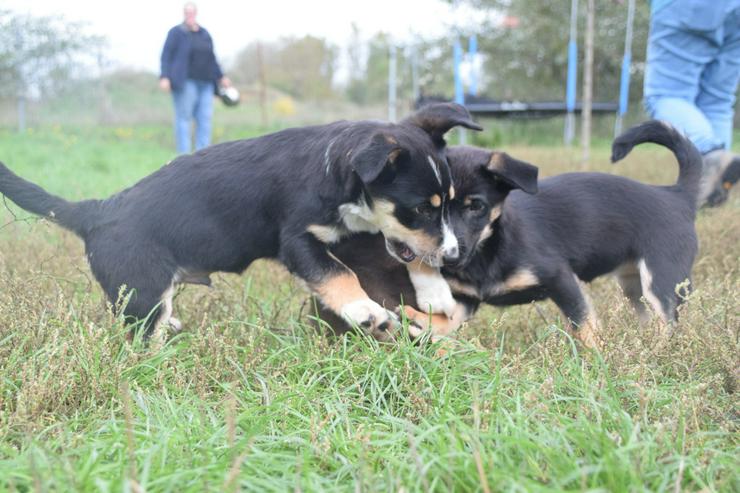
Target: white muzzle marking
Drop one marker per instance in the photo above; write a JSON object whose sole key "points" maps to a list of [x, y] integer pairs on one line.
{"points": [[450, 248]]}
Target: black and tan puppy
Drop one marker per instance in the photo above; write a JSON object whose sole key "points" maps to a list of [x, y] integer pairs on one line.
{"points": [[483, 179], [285, 195], [577, 227]]}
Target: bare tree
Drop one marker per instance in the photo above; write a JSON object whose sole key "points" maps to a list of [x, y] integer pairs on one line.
{"points": [[39, 54]]}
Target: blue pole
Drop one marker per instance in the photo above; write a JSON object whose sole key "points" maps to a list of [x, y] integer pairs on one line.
{"points": [[624, 84], [472, 53], [572, 76], [570, 88], [459, 91], [624, 81], [457, 59]]}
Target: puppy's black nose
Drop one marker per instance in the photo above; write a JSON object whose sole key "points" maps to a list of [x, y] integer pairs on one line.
{"points": [[451, 255]]}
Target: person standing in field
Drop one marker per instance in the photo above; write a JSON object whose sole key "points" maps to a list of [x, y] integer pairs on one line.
{"points": [[691, 78], [189, 71]]}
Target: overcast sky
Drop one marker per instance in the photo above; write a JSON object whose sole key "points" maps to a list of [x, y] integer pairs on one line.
{"points": [[136, 29]]}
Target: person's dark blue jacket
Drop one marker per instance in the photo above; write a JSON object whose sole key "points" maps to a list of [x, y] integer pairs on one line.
{"points": [[176, 56]]}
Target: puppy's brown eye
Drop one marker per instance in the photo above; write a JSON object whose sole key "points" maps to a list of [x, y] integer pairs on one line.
{"points": [[424, 209], [476, 205]]}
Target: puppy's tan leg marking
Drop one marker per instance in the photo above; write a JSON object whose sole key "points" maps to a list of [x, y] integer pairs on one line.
{"points": [[587, 331], [339, 290], [325, 234], [423, 321], [460, 287], [343, 295], [440, 325], [520, 280]]}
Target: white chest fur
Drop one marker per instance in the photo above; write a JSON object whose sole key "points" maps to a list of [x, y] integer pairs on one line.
{"points": [[358, 217]]}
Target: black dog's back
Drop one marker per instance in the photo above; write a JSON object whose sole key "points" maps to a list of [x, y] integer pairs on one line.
{"points": [[590, 218]]}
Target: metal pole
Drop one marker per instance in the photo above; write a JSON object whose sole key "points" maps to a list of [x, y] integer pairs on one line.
{"points": [[106, 112], [21, 86], [459, 91], [392, 84], [588, 71], [21, 113], [263, 86], [624, 82], [570, 86], [415, 92], [472, 54]]}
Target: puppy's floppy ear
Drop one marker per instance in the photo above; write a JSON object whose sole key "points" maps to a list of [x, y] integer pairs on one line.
{"points": [[379, 155], [436, 119], [515, 173]]}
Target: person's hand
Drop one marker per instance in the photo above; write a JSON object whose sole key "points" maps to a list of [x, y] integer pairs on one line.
{"points": [[164, 84], [224, 82]]}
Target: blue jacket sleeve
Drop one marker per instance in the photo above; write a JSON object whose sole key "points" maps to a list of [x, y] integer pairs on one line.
{"points": [[167, 54], [217, 73]]}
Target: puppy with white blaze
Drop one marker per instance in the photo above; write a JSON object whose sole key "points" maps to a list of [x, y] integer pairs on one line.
{"points": [[522, 240], [287, 196]]}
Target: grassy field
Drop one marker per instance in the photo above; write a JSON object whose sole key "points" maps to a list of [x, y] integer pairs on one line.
{"points": [[248, 398]]}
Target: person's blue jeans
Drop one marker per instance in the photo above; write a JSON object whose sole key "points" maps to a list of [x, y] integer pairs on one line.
{"points": [[194, 100], [693, 65]]}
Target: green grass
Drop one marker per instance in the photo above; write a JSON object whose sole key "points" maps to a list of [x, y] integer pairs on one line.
{"points": [[249, 398]]}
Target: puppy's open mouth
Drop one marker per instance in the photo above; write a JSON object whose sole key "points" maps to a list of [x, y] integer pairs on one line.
{"points": [[400, 250]]}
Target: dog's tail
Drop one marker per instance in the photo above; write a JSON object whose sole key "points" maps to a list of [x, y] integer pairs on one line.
{"points": [[662, 133], [75, 216]]}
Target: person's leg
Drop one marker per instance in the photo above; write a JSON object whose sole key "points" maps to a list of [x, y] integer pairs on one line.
{"points": [[676, 57], [716, 99], [203, 115], [718, 83], [184, 101]]}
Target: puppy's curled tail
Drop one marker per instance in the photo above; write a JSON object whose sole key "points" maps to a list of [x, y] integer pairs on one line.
{"points": [[75, 216], [663, 133]]}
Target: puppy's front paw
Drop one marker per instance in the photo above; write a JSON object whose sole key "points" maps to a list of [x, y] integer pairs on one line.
{"points": [[439, 325], [439, 303], [369, 316], [436, 297], [433, 294]]}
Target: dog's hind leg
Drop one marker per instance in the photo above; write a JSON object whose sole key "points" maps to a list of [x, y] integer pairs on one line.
{"points": [[151, 306], [662, 282], [146, 279], [628, 277], [567, 293], [655, 295]]}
